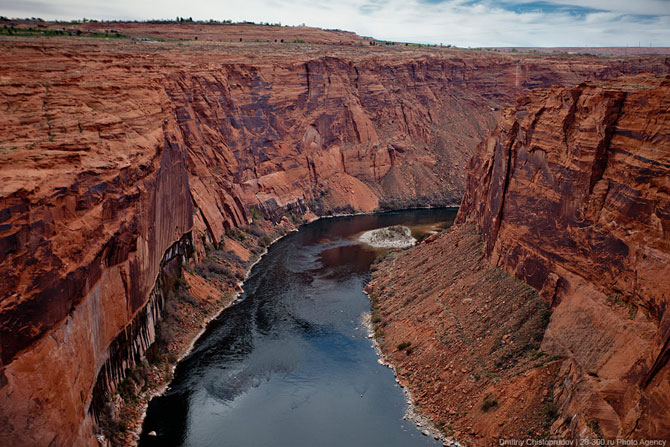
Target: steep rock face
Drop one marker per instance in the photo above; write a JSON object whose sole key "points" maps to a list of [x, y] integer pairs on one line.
{"points": [[572, 195], [341, 132], [326, 133], [87, 217], [48, 383], [114, 152]]}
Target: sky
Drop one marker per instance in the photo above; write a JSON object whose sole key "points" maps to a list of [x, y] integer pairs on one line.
{"points": [[464, 23]]}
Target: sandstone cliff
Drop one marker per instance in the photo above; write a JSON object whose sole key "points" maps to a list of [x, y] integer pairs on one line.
{"points": [[571, 194], [121, 158]]}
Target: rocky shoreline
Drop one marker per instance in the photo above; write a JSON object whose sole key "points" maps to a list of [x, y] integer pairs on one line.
{"points": [[135, 412], [412, 414], [161, 383], [456, 369], [132, 411], [236, 299]]}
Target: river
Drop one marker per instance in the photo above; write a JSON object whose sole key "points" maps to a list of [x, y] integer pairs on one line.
{"points": [[291, 364]]}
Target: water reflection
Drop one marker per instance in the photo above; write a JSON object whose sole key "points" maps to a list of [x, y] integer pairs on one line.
{"points": [[291, 365]]}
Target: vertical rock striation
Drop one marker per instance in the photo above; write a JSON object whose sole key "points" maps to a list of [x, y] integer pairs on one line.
{"points": [[572, 195], [120, 158], [123, 235]]}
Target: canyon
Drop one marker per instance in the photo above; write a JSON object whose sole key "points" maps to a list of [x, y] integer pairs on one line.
{"points": [[551, 320], [123, 160]]}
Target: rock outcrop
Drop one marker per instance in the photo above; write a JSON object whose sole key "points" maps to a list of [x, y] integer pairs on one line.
{"points": [[569, 195], [120, 158], [572, 196]]}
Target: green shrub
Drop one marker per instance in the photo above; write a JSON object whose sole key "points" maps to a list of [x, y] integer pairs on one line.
{"points": [[256, 214], [296, 219], [550, 412], [236, 234], [615, 299], [489, 403], [214, 269], [255, 230], [265, 240], [404, 345], [375, 318]]}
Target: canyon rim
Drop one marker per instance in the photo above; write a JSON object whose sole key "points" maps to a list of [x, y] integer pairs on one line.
{"points": [[143, 171]]}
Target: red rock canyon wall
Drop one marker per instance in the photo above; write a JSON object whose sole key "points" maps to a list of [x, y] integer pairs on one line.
{"points": [[115, 154], [571, 193]]}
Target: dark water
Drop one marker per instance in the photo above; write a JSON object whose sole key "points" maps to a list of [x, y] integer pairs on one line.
{"points": [[291, 365]]}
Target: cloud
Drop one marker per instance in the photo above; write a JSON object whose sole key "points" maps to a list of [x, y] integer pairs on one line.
{"points": [[464, 23], [548, 8], [373, 6], [67, 9], [644, 7]]}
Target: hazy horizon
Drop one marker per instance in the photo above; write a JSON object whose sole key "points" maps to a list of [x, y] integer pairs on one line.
{"points": [[464, 23]]}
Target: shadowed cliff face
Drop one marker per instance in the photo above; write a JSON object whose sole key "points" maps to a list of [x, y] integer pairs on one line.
{"points": [[571, 194], [112, 152], [325, 133]]}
